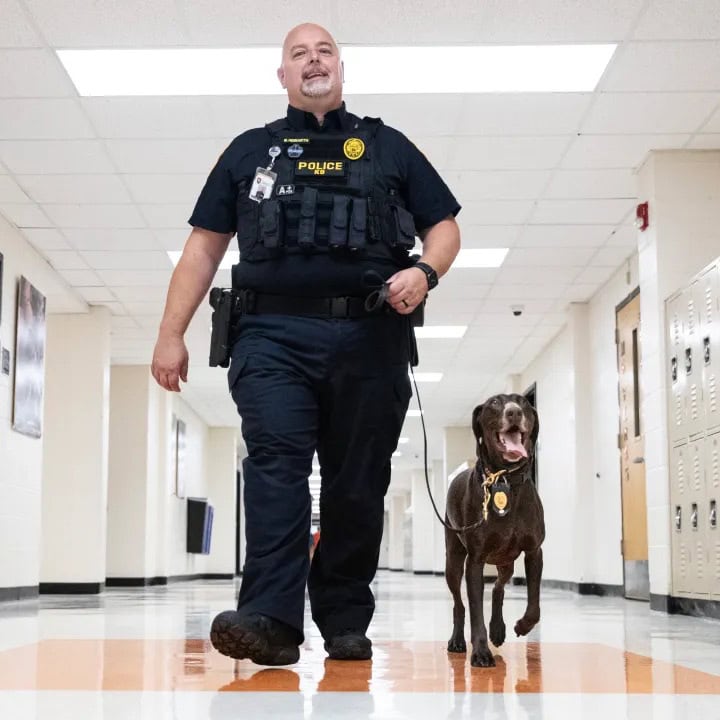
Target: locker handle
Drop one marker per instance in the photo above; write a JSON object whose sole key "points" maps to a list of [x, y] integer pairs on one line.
{"points": [[706, 350], [678, 517], [694, 516], [713, 514], [673, 368], [688, 361]]}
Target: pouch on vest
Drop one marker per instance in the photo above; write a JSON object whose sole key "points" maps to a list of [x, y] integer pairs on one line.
{"points": [[270, 224], [404, 227], [338, 232], [358, 226], [306, 225]]}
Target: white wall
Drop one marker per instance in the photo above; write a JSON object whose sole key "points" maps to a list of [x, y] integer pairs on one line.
{"points": [[21, 456], [582, 514]]}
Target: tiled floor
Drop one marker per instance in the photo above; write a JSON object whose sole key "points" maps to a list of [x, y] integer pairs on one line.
{"points": [[144, 654]]}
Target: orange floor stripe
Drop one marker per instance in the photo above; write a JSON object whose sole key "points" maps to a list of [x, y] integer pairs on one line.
{"points": [[396, 667]]}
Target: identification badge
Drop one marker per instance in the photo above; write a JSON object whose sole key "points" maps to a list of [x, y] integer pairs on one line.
{"points": [[262, 184], [500, 499]]}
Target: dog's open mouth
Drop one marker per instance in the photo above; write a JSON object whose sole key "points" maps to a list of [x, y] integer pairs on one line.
{"points": [[511, 444]]}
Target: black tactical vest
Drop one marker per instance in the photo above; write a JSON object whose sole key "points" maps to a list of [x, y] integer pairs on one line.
{"points": [[329, 197]]}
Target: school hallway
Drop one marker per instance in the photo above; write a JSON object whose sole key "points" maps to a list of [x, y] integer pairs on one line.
{"points": [[144, 655]]}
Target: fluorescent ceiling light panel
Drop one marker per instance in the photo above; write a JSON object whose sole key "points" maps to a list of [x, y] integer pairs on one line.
{"points": [[231, 258], [368, 70], [413, 413], [428, 376], [403, 441], [480, 258], [444, 332]]}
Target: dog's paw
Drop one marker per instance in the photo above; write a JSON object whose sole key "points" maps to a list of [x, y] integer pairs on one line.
{"points": [[482, 658], [497, 633], [457, 645], [524, 625]]}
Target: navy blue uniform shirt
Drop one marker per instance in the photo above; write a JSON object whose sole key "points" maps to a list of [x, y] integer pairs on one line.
{"points": [[424, 192]]}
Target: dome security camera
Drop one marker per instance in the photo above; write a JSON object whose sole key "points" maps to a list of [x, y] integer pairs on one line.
{"points": [[517, 310]]}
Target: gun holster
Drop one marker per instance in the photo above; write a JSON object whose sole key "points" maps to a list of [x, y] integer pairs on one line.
{"points": [[224, 302]]}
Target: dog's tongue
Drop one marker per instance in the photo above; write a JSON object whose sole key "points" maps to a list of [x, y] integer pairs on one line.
{"points": [[514, 449]]}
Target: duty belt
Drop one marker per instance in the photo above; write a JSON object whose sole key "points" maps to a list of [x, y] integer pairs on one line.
{"points": [[254, 303]]}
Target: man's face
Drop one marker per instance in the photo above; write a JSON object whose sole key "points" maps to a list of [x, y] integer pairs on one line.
{"points": [[311, 67]]}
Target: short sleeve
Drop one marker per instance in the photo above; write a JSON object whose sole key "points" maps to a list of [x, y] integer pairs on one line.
{"points": [[215, 207], [426, 195]]}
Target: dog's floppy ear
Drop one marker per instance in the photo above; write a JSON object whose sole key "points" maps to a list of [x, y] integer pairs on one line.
{"points": [[477, 430], [536, 426]]}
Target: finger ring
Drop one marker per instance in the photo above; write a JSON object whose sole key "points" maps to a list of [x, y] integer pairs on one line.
{"points": [[404, 302]]}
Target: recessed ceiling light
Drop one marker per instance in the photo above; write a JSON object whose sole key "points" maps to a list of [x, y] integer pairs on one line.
{"points": [[373, 70], [440, 331]]}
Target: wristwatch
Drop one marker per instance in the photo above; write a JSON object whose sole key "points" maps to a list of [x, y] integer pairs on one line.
{"points": [[430, 274]]}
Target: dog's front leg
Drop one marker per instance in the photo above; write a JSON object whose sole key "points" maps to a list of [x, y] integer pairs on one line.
{"points": [[533, 574], [497, 624], [481, 655]]}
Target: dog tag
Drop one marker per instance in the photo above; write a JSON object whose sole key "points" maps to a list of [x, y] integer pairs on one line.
{"points": [[262, 184], [500, 500]]}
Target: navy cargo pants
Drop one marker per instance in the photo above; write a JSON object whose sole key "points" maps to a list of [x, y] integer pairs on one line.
{"points": [[341, 387]]}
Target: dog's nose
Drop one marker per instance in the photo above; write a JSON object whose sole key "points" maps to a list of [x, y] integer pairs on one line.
{"points": [[513, 414]]}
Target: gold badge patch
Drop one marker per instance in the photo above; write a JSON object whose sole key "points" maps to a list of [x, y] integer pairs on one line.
{"points": [[354, 148], [500, 500]]}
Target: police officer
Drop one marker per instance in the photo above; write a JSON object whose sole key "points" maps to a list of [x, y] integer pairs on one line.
{"points": [[326, 207]]}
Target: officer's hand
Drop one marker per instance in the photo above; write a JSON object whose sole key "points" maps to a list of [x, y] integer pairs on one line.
{"points": [[170, 362], [408, 288]]}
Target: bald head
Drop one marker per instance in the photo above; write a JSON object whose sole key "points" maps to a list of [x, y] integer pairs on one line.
{"points": [[311, 70]]}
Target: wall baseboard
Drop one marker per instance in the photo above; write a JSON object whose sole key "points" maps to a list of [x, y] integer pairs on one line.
{"points": [[164, 580], [685, 606], [580, 588], [71, 588], [18, 593]]}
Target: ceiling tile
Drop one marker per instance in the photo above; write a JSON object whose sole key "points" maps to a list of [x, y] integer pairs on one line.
{"points": [[33, 119], [167, 216], [663, 66], [580, 211], [102, 260], [127, 278], [26, 157], [131, 23], [96, 294], [65, 260], [644, 113], [506, 153], [46, 239], [535, 114], [26, 215], [705, 142], [497, 184], [84, 278], [549, 256], [35, 74], [150, 117], [95, 216], [561, 236], [617, 151], [568, 184], [496, 212], [111, 239], [612, 256], [189, 155], [15, 29], [537, 275], [11, 192], [670, 19], [159, 189], [175, 238], [85, 189], [713, 125]]}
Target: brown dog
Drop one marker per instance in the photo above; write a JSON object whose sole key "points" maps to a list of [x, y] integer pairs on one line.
{"points": [[501, 516]]}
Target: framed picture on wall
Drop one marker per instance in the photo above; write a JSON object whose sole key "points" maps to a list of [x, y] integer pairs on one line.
{"points": [[29, 360]]}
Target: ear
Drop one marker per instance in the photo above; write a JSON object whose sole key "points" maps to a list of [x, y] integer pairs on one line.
{"points": [[475, 425], [281, 76], [536, 426]]}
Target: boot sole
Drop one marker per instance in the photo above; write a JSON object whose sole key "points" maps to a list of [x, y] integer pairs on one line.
{"points": [[239, 643], [348, 652]]}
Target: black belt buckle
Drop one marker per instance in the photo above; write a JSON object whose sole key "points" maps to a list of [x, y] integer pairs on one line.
{"points": [[340, 307]]}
